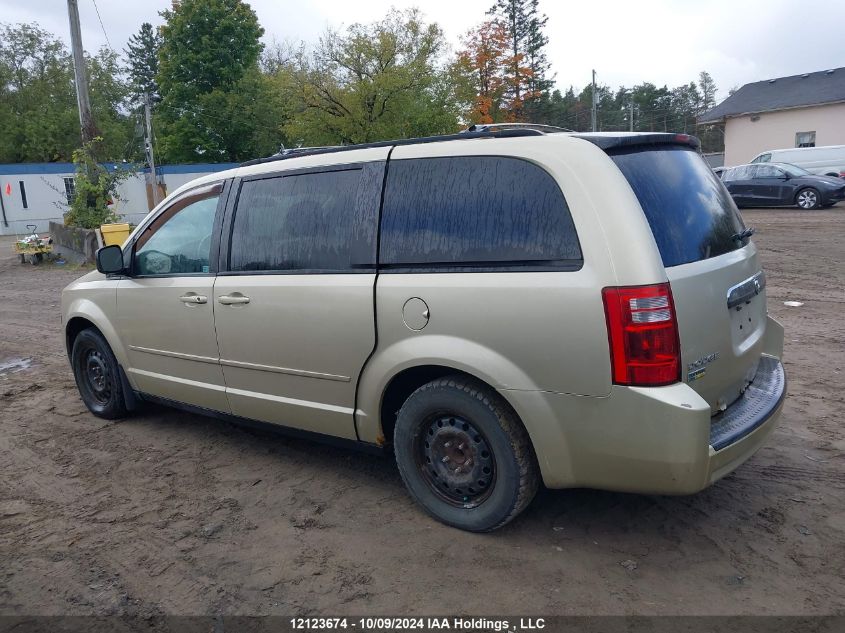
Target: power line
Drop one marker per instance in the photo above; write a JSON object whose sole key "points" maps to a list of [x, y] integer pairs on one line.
{"points": [[102, 26]]}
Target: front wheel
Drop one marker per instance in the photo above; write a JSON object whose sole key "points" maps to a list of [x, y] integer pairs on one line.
{"points": [[464, 455], [808, 199], [97, 375]]}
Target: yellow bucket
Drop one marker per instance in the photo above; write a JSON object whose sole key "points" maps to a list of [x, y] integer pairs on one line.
{"points": [[114, 233]]}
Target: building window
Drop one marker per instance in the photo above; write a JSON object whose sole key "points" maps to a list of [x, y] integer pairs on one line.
{"points": [[70, 189], [23, 194], [805, 139]]}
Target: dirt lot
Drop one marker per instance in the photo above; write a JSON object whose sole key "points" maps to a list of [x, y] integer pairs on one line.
{"points": [[172, 513]]}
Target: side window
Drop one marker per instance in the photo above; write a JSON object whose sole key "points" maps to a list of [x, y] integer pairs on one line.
{"points": [[178, 242], [740, 173], [475, 211], [767, 171], [297, 222]]}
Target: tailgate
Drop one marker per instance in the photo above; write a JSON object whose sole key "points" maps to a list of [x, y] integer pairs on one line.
{"points": [[717, 284], [720, 305]]}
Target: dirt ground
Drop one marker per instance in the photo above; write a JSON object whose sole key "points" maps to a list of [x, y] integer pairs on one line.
{"points": [[170, 513]]}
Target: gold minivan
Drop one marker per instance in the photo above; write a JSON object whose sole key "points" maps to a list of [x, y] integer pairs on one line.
{"points": [[497, 308]]}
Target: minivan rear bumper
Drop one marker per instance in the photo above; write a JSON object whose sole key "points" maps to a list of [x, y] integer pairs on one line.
{"points": [[650, 440]]}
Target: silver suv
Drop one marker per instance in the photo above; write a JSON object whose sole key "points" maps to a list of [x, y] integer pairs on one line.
{"points": [[498, 308]]}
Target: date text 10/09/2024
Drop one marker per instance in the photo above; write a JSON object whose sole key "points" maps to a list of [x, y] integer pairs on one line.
{"points": [[417, 624]]}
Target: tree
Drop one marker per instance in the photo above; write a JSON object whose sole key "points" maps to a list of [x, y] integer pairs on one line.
{"points": [[535, 43], [479, 69], [708, 91], [38, 110], [214, 104], [372, 82], [526, 64], [95, 189], [142, 57]]}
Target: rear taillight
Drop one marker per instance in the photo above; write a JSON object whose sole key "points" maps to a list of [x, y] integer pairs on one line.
{"points": [[643, 335]]}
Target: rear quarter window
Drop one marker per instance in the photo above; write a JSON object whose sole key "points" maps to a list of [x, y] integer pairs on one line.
{"points": [[691, 214], [475, 211]]}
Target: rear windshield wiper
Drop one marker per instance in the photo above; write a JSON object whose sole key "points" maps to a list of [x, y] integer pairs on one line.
{"points": [[743, 235]]}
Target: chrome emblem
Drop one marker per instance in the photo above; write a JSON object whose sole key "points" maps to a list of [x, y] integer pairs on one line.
{"points": [[698, 368]]}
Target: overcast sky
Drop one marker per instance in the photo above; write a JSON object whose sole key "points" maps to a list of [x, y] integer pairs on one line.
{"points": [[661, 41]]}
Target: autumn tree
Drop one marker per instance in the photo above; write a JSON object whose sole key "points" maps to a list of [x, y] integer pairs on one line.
{"points": [[480, 68]]}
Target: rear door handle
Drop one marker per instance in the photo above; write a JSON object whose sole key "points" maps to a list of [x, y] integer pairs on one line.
{"points": [[193, 299], [228, 300]]}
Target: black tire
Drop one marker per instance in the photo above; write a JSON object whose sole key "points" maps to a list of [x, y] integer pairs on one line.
{"points": [[808, 198], [498, 475], [97, 375]]}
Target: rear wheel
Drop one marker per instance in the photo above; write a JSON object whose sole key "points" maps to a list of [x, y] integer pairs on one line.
{"points": [[97, 375], [808, 199], [464, 455]]}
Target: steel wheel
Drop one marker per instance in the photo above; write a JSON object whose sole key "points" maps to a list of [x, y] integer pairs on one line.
{"points": [[98, 376], [455, 460], [464, 455], [807, 199]]}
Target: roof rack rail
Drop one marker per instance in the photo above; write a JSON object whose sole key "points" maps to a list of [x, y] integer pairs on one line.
{"points": [[460, 136], [538, 127]]}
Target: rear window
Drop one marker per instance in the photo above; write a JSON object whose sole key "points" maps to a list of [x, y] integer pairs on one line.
{"points": [[691, 214], [475, 211]]}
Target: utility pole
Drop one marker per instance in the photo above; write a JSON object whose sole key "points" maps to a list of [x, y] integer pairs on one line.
{"points": [[148, 147], [631, 112], [595, 102], [86, 120]]}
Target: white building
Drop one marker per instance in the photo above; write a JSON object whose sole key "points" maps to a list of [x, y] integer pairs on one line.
{"points": [[36, 193], [799, 111]]}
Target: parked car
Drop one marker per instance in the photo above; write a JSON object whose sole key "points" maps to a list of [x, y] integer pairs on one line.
{"points": [[778, 184], [496, 309], [828, 160]]}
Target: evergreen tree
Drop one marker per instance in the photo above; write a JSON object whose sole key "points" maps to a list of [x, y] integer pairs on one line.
{"points": [[708, 91], [535, 43], [142, 56], [526, 63]]}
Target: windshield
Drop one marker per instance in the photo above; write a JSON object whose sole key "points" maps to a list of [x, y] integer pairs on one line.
{"points": [[691, 214], [793, 170]]}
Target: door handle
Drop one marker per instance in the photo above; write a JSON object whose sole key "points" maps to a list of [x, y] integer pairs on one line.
{"points": [[235, 299], [193, 299]]}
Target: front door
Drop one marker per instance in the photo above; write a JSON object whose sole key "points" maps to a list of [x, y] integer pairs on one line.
{"points": [[165, 307], [767, 181], [294, 309]]}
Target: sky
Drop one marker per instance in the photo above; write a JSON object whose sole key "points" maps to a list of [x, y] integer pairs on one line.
{"points": [[660, 41]]}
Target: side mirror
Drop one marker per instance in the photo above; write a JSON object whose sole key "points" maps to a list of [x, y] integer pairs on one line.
{"points": [[785, 176], [110, 260]]}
